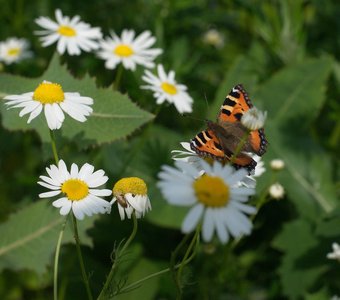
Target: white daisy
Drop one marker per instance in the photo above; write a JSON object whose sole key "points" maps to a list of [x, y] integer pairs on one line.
{"points": [[276, 191], [336, 252], [253, 119], [72, 35], [51, 97], [215, 197], [14, 50], [166, 88], [129, 50], [131, 196], [79, 188]]}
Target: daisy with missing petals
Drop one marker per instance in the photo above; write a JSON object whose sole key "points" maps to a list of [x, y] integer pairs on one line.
{"points": [[72, 35], [51, 97], [215, 197], [129, 50], [166, 88], [14, 50], [131, 196], [79, 189]]}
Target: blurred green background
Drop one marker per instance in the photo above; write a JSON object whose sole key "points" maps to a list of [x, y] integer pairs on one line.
{"points": [[285, 53]]}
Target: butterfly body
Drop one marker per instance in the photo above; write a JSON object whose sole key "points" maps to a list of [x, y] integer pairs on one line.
{"points": [[221, 138]]}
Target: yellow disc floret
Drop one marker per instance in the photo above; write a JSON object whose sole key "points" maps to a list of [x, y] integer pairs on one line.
{"points": [[211, 191], [13, 52], [169, 88], [48, 93], [132, 185], [75, 189], [123, 50], [67, 31]]}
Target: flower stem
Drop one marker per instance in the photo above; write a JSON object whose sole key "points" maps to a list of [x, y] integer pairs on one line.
{"points": [[120, 252], [80, 257], [118, 77], [54, 147], [138, 282], [56, 261], [240, 146]]}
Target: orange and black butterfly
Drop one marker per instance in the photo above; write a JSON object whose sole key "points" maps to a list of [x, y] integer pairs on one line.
{"points": [[219, 141]]}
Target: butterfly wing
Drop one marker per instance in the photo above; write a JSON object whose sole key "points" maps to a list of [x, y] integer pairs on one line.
{"points": [[218, 140], [206, 144], [235, 105]]}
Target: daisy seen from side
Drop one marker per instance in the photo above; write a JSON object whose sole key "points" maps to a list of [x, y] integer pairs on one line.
{"points": [[215, 197], [131, 195], [165, 88], [71, 34], [51, 98], [79, 189], [129, 50], [13, 50]]}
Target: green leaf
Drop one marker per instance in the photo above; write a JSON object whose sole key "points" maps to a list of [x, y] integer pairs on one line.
{"points": [[114, 115], [295, 240], [147, 289], [293, 98], [29, 237]]}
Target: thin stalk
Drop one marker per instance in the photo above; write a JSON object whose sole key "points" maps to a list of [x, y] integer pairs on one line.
{"points": [[56, 261], [138, 282], [54, 147], [126, 245], [240, 146], [118, 77], [80, 257]]}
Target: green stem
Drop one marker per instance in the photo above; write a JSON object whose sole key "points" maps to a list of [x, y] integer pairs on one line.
{"points": [[118, 77], [126, 245], [195, 240], [54, 147], [56, 261], [80, 257], [192, 243], [240, 146], [138, 282]]}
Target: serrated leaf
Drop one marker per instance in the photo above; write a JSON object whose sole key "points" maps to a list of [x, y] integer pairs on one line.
{"points": [[292, 98], [114, 115], [29, 237], [295, 240]]}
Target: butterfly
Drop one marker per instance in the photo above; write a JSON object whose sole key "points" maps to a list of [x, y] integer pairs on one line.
{"points": [[221, 138]]}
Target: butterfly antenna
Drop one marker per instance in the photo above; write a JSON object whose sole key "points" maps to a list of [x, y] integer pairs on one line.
{"points": [[206, 100]]}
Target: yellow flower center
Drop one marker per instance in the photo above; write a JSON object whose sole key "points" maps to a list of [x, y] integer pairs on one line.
{"points": [[211, 191], [48, 92], [75, 189], [132, 185], [66, 31], [123, 50], [13, 52], [169, 88]]}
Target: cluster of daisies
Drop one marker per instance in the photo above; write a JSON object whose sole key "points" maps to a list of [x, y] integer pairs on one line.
{"points": [[74, 36], [79, 191]]}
